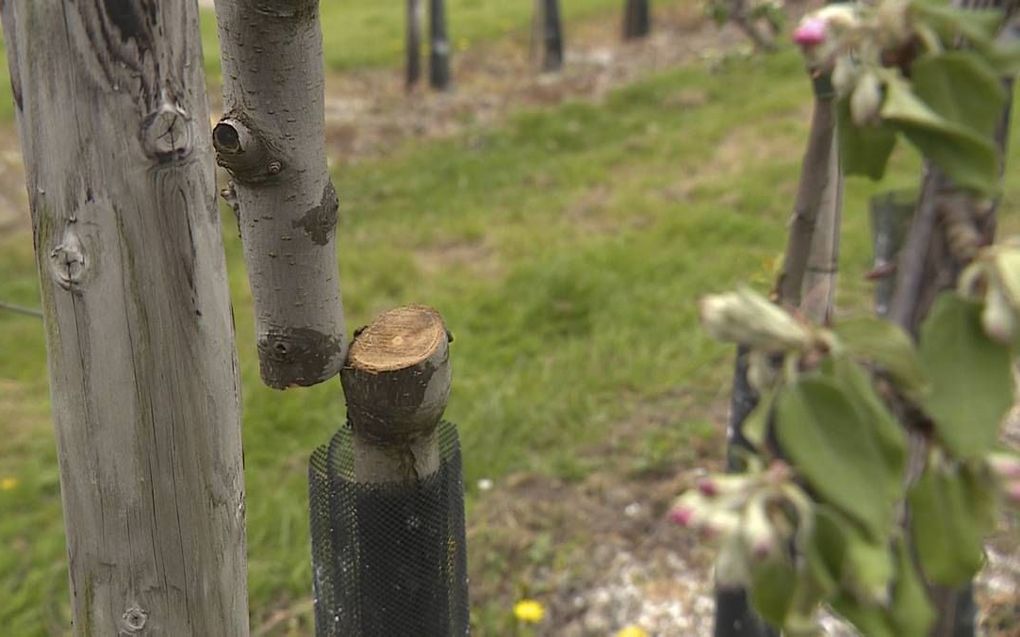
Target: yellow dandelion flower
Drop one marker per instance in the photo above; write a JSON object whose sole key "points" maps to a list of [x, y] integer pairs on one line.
{"points": [[8, 484], [529, 611], [632, 631]]}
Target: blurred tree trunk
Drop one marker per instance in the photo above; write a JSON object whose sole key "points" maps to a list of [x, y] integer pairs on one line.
{"points": [[413, 64], [439, 46], [637, 19], [272, 141], [111, 104], [548, 31], [807, 282]]}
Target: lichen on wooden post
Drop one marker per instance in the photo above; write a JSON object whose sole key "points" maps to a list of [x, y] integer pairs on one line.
{"points": [[271, 140], [111, 104], [397, 383]]}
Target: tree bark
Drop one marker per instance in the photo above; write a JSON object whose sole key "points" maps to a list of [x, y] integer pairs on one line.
{"points": [[397, 383], [413, 53], [111, 104], [549, 32], [272, 142], [637, 19], [439, 47], [808, 283], [818, 204]]}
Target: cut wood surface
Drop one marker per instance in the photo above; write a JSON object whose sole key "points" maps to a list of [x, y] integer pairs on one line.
{"points": [[272, 141], [397, 383], [111, 103]]}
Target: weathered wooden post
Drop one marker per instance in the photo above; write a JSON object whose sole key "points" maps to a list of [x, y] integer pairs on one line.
{"points": [[548, 34], [271, 140], [439, 46], [637, 19], [386, 494], [412, 68], [111, 104]]}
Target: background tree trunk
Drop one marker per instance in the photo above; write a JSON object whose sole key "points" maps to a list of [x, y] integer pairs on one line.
{"points": [[110, 99], [272, 141], [413, 63], [439, 46], [548, 31], [637, 19]]}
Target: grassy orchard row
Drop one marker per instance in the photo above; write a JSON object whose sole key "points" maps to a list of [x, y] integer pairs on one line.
{"points": [[359, 34]]}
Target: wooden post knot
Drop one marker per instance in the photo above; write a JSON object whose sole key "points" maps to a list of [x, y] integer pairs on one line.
{"points": [[168, 133], [67, 262], [134, 619]]}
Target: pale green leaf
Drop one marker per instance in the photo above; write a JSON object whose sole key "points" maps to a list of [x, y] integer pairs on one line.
{"points": [[879, 423], [885, 344], [970, 375], [864, 150], [946, 536], [969, 159], [962, 88], [773, 585], [823, 434], [977, 25], [911, 612]]}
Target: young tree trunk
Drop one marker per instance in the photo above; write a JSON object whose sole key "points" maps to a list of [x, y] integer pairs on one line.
{"points": [[111, 104], [817, 208], [271, 140], [397, 383], [549, 32], [807, 282], [413, 64], [439, 47], [637, 19]]}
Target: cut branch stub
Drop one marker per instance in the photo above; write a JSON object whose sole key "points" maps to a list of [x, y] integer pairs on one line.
{"points": [[397, 383], [244, 153], [272, 142]]}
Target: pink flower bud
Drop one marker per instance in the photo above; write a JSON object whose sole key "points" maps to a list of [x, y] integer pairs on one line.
{"points": [[810, 32], [1005, 466], [1013, 492], [682, 516], [708, 487]]}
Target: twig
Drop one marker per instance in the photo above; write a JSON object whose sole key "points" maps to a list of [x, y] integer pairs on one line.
{"points": [[17, 309]]}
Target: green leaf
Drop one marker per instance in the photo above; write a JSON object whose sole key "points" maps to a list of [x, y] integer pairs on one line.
{"points": [[773, 585], [961, 87], [970, 375], [947, 538], [880, 424], [869, 567], [864, 150], [869, 619], [825, 552], [885, 344], [822, 432], [911, 612], [967, 158], [977, 25]]}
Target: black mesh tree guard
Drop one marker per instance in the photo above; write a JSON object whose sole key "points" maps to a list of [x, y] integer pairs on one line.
{"points": [[388, 559]]}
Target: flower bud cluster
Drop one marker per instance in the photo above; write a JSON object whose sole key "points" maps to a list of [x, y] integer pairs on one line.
{"points": [[755, 516], [854, 42], [750, 319], [994, 278]]}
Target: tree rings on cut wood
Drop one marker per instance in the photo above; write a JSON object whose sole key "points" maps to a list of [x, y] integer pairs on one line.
{"points": [[397, 383]]}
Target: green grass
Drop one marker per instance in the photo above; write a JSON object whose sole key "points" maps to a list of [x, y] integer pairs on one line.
{"points": [[565, 249], [361, 34]]}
